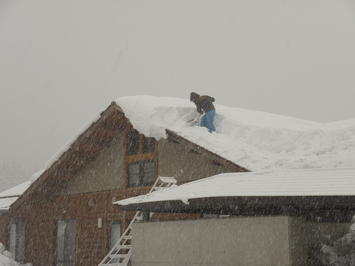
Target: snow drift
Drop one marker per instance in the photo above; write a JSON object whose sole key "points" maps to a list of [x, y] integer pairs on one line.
{"points": [[255, 140], [6, 258]]}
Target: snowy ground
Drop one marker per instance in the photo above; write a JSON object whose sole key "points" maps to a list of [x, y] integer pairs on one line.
{"points": [[6, 258], [252, 139]]}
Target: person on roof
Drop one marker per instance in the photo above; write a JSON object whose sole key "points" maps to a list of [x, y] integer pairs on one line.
{"points": [[205, 106]]}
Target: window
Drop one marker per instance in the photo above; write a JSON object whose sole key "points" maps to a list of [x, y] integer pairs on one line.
{"points": [[115, 233], [147, 216], [148, 175], [17, 241], [149, 145], [66, 233], [134, 174], [141, 173], [133, 142]]}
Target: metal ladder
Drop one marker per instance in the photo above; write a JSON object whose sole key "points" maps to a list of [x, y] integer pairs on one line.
{"points": [[121, 252]]}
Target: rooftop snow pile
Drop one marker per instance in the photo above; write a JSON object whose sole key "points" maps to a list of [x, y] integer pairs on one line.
{"points": [[252, 139], [303, 182]]}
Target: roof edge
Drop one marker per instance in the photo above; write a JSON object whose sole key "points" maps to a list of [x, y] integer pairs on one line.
{"points": [[175, 135], [111, 109]]}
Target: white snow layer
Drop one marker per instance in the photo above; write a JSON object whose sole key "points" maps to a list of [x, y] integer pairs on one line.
{"points": [[252, 139], [9, 196], [15, 191], [302, 182], [6, 258]]}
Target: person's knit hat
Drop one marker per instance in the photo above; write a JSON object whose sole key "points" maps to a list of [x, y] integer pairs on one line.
{"points": [[194, 96]]}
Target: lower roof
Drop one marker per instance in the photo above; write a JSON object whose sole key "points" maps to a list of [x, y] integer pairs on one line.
{"points": [[300, 189], [8, 197], [5, 203]]}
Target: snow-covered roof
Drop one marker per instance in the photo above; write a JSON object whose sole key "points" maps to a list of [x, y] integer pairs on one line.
{"points": [[9, 196], [301, 182], [5, 203], [15, 191], [252, 139]]}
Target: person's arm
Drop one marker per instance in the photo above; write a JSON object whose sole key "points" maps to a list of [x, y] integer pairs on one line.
{"points": [[199, 109]]}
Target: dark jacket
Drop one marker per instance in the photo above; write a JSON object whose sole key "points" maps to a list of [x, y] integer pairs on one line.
{"points": [[203, 103]]}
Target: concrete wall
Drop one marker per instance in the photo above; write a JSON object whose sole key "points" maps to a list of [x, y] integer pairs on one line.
{"points": [[106, 172], [297, 241], [232, 241], [186, 164]]}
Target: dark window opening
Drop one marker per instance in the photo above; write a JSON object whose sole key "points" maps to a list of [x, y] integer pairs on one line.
{"points": [[115, 233], [134, 179], [148, 175], [141, 173], [66, 233], [146, 216], [17, 241], [149, 145], [133, 142]]}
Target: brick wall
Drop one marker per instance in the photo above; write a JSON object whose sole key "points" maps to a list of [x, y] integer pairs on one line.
{"points": [[92, 243], [81, 196], [4, 221]]}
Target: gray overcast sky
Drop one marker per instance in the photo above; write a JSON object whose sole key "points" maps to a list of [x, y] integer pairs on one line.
{"points": [[61, 61]]}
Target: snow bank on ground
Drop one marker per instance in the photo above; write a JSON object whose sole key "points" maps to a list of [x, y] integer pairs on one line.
{"points": [[6, 258], [255, 140]]}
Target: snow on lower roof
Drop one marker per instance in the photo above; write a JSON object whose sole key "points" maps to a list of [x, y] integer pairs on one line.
{"points": [[252, 139], [5, 203], [9, 196], [304, 182], [15, 191]]}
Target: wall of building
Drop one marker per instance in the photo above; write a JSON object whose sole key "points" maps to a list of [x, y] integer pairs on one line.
{"points": [[297, 240], [106, 172], [4, 228], [187, 163], [232, 241], [88, 196], [86, 209]]}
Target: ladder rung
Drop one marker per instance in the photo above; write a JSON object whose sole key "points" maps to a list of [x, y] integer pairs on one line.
{"points": [[118, 256], [124, 247], [168, 180]]}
